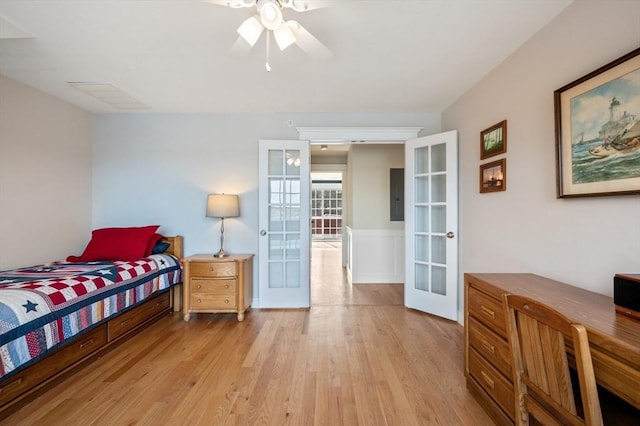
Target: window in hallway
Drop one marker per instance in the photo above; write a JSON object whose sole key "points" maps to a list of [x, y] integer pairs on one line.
{"points": [[326, 206]]}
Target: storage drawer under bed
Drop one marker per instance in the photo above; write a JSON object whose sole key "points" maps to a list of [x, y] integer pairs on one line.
{"points": [[54, 363], [133, 318]]}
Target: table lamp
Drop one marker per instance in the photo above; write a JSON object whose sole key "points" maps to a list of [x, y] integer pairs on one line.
{"points": [[222, 206]]}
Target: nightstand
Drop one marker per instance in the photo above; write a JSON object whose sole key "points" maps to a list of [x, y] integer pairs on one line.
{"points": [[214, 285]]}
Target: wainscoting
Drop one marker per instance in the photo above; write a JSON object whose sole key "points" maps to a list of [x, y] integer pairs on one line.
{"points": [[375, 255]]}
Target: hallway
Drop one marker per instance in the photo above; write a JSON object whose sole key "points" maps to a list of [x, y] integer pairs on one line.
{"points": [[329, 284]]}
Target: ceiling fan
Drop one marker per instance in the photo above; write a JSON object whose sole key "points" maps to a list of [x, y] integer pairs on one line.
{"points": [[269, 17]]}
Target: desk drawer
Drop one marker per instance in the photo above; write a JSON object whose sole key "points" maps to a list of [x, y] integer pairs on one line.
{"points": [[213, 269], [492, 382], [620, 378], [491, 346], [214, 286], [212, 301], [488, 310]]}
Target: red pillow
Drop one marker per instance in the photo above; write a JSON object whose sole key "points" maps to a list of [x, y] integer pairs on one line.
{"points": [[118, 243], [152, 242]]}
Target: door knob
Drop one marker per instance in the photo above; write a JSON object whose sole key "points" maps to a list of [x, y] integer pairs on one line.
{"points": [[263, 232], [450, 234]]}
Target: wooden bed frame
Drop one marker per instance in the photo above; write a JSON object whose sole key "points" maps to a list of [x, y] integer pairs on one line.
{"points": [[22, 387]]}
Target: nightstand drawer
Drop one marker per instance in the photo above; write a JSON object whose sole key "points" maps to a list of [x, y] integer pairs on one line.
{"points": [[214, 269], [488, 310], [199, 301], [214, 286]]}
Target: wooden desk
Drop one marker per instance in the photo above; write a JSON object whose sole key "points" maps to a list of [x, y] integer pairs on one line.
{"points": [[614, 338]]}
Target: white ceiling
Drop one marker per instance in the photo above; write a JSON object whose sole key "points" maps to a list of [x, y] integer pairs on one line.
{"points": [[175, 55]]}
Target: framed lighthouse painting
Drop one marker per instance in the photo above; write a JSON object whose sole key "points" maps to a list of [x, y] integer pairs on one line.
{"points": [[597, 123]]}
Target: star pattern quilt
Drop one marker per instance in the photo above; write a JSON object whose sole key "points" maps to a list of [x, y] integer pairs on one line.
{"points": [[43, 306]]}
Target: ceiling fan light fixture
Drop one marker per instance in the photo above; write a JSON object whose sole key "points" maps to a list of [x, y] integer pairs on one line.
{"points": [[270, 14], [284, 36], [237, 4], [299, 5], [294, 25], [250, 30]]}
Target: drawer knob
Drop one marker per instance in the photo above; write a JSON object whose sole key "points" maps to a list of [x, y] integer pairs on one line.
{"points": [[199, 301], [226, 301], [488, 346], [8, 386], [487, 379], [226, 286], [488, 312], [86, 343], [199, 286]]}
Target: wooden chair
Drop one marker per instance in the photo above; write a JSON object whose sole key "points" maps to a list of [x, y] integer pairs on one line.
{"points": [[542, 382]]}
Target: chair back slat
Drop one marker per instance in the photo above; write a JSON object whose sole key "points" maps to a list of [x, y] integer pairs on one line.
{"points": [[542, 381]]}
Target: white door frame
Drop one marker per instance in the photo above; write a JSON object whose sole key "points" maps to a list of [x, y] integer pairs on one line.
{"points": [[388, 135], [359, 135]]}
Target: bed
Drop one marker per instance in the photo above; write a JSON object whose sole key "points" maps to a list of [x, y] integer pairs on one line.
{"points": [[54, 317]]}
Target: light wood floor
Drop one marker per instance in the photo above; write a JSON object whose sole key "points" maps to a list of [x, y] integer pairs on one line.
{"points": [[357, 357]]}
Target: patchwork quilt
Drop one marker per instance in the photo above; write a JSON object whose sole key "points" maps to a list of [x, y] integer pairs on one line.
{"points": [[43, 306]]}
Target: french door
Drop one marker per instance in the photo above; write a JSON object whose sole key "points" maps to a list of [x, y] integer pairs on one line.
{"points": [[431, 224], [284, 225]]}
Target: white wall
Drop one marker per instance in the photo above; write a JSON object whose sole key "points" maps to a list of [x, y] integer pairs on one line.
{"points": [[45, 176], [369, 168], [583, 242], [158, 168]]}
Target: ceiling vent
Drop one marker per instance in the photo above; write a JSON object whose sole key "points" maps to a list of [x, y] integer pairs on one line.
{"points": [[10, 30], [110, 94]]}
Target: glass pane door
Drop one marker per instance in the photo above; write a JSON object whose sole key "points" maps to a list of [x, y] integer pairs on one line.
{"points": [[284, 224], [431, 224]]}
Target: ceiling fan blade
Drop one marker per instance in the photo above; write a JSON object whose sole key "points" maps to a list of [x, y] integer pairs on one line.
{"points": [[308, 43], [235, 4], [240, 47]]}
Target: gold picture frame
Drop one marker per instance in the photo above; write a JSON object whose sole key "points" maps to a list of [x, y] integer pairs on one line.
{"points": [[493, 176], [493, 140], [597, 124]]}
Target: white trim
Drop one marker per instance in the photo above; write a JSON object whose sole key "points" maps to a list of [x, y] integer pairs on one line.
{"points": [[320, 167], [358, 134]]}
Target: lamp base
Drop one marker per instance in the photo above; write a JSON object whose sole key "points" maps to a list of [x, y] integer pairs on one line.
{"points": [[220, 254]]}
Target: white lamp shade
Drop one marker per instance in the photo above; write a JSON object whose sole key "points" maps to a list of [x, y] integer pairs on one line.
{"points": [[250, 30], [284, 36], [222, 205]]}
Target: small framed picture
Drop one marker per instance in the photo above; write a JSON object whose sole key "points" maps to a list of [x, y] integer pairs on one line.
{"points": [[493, 176], [493, 141]]}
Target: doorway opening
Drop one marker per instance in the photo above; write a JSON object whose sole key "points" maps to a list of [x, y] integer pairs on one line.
{"points": [[326, 206], [327, 278]]}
